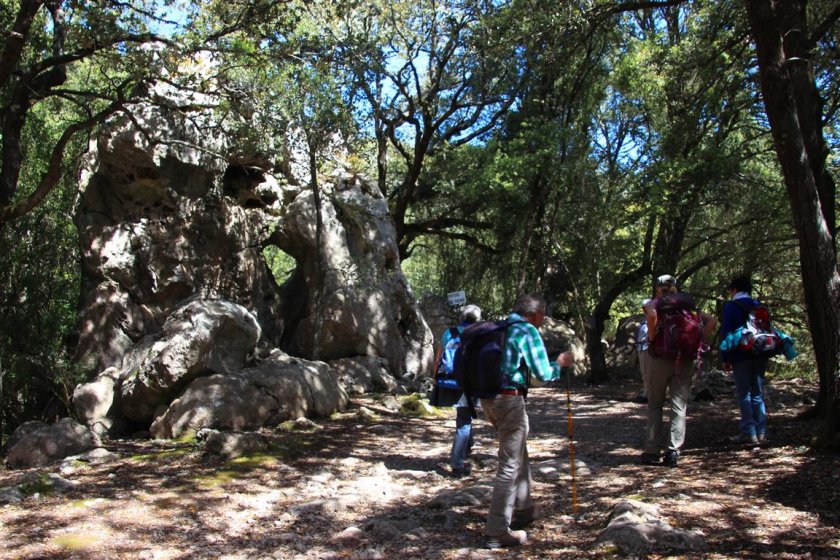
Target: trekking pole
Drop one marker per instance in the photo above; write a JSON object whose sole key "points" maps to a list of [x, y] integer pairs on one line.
{"points": [[571, 442]]}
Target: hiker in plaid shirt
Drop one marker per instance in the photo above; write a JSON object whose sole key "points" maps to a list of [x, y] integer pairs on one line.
{"points": [[511, 507]]}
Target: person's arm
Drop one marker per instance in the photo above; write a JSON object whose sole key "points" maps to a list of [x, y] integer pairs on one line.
{"points": [[709, 324], [536, 356], [651, 319], [436, 363]]}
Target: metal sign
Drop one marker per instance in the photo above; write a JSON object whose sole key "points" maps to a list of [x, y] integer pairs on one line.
{"points": [[456, 298]]}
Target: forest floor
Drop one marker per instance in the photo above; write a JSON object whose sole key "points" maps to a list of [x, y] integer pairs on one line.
{"points": [[375, 487]]}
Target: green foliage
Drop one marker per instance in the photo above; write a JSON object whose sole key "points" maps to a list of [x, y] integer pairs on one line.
{"points": [[39, 287], [41, 484], [282, 265]]}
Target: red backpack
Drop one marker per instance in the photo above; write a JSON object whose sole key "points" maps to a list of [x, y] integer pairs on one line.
{"points": [[679, 328], [758, 337]]}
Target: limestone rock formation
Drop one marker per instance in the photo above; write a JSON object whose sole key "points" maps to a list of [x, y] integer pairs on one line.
{"points": [[35, 444], [178, 302], [199, 338], [439, 314], [636, 528], [621, 354], [355, 299], [278, 389], [358, 376]]}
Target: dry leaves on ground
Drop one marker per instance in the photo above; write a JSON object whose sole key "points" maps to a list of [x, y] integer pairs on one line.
{"points": [[374, 487]]}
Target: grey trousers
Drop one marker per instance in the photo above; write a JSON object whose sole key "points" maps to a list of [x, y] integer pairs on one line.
{"points": [[644, 369], [512, 485], [667, 375]]}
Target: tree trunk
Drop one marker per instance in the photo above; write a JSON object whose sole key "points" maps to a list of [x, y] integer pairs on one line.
{"points": [[594, 330], [820, 276], [594, 325]]}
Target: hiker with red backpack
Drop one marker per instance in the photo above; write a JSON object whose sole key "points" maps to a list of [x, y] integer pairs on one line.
{"points": [[676, 334], [748, 362], [501, 376]]}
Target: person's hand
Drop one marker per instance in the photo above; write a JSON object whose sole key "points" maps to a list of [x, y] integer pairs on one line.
{"points": [[565, 359]]}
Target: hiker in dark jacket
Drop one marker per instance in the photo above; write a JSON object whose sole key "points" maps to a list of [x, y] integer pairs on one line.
{"points": [[511, 506], [667, 375], [748, 370]]}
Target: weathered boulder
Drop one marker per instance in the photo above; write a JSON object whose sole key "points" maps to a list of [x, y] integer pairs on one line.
{"points": [[439, 315], [636, 528], [35, 444], [621, 355], [230, 445], [200, 337], [93, 400], [353, 297], [162, 216], [358, 376], [171, 213], [278, 389]]}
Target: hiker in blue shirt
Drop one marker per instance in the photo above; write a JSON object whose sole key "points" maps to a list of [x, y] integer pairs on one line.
{"points": [[511, 506], [462, 446], [748, 370]]}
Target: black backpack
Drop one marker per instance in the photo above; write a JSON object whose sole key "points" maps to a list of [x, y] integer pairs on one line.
{"points": [[478, 360]]}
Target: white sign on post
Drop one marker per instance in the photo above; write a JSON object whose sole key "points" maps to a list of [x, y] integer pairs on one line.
{"points": [[456, 298]]}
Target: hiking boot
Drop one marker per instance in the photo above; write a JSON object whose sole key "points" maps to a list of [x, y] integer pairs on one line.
{"points": [[649, 458], [762, 439], [511, 538], [461, 472], [744, 439], [671, 457], [524, 517]]}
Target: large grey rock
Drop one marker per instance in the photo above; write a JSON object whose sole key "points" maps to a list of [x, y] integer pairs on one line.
{"points": [[230, 445], [621, 354], [278, 389], [162, 216], [439, 315], [366, 374], [93, 400], [357, 300], [636, 528], [199, 338], [175, 213], [42, 444]]}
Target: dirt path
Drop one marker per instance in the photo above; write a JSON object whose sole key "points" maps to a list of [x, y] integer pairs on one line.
{"points": [[378, 488]]}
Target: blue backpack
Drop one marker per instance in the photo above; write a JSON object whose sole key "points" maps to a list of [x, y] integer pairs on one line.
{"points": [[446, 391], [447, 359]]}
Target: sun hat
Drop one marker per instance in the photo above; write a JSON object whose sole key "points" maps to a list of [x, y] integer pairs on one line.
{"points": [[666, 280]]}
